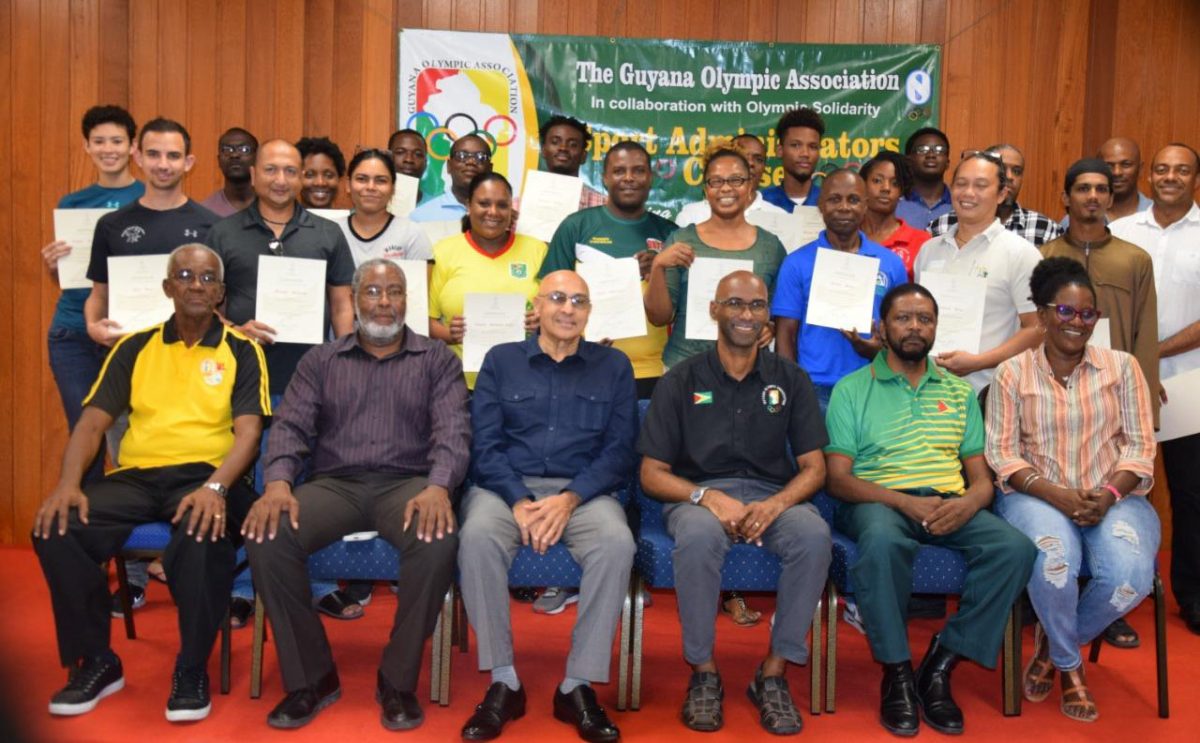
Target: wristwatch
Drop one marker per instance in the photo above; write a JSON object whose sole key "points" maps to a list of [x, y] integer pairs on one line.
{"points": [[217, 488], [697, 495]]}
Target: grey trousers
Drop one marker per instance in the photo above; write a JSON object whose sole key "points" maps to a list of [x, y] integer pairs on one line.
{"points": [[799, 537], [597, 537], [331, 507]]}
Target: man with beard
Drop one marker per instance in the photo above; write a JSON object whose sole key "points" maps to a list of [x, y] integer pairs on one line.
{"points": [[554, 420], [565, 141], [799, 133], [902, 431], [756, 154], [380, 416], [732, 444], [928, 151], [621, 228], [235, 154], [828, 354], [469, 156]]}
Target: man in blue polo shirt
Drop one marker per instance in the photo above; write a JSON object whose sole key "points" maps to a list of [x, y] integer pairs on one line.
{"points": [[828, 354], [799, 133]]}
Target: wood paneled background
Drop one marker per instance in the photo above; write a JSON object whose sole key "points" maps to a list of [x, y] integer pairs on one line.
{"points": [[1055, 78]]}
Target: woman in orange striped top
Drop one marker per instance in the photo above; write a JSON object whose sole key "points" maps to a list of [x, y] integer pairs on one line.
{"points": [[1071, 439]]}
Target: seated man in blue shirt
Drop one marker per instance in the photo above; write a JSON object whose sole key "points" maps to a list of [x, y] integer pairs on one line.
{"points": [[554, 420]]}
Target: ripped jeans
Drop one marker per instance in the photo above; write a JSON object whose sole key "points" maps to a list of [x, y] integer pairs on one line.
{"points": [[1120, 553]]}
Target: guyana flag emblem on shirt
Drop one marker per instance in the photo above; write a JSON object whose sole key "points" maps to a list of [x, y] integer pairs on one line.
{"points": [[702, 398]]}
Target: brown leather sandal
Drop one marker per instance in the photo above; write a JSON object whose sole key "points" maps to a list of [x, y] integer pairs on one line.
{"points": [[1077, 702], [1039, 673], [733, 603]]}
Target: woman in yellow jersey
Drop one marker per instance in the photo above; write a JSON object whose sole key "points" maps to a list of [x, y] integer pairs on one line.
{"points": [[488, 257]]}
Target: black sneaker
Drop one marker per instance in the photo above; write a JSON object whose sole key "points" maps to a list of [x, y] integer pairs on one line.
{"points": [[189, 695], [86, 685], [137, 599]]}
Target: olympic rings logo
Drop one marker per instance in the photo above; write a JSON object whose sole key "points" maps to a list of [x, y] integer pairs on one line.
{"points": [[440, 137]]}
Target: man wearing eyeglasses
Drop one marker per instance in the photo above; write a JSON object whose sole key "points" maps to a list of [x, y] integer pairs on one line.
{"points": [[828, 354], [235, 154], [928, 149], [196, 392], [470, 155], [732, 444], [380, 416], [276, 224], [554, 420]]}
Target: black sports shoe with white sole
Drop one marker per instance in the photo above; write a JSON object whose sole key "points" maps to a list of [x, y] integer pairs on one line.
{"points": [[189, 700], [86, 685]]}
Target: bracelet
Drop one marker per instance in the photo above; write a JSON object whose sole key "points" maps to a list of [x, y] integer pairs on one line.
{"points": [[1116, 493], [1031, 478]]}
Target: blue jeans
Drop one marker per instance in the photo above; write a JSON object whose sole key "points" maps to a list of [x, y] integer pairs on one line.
{"points": [[1119, 551], [75, 361]]}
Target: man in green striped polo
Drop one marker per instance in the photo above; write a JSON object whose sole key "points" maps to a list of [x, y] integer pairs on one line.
{"points": [[902, 434]]}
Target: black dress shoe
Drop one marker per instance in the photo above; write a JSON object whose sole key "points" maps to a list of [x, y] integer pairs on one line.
{"points": [[1191, 616], [933, 689], [499, 705], [898, 700], [401, 710], [581, 709], [299, 707]]}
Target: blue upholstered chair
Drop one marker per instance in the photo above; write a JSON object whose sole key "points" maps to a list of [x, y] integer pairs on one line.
{"points": [[149, 541], [936, 570], [747, 568]]}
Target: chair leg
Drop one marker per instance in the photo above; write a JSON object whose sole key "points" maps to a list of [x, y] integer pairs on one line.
{"points": [[1160, 647], [623, 644], [1094, 652], [1010, 670], [226, 652], [256, 650], [435, 659], [125, 598], [447, 617], [462, 623], [831, 629], [639, 610], [814, 658]]}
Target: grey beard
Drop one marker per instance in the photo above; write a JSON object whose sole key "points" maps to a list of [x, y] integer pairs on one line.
{"points": [[378, 334]]}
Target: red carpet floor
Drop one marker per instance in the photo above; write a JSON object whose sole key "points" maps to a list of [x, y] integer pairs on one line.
{"points": [[1123, 681]]}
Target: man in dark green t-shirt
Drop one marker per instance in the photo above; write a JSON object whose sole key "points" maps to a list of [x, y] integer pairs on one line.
{"points": [[622, 228], [901, 433]]}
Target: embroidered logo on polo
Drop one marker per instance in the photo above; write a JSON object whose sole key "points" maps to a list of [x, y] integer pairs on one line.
{"points": [[702, 398], [518, 270], [654, 245], [942, 406], [212, 371], [132, 234], [773, 398], [191, 233]]}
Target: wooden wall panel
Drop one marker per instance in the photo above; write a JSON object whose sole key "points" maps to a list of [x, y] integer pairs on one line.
{"points": [[1013, 70]]}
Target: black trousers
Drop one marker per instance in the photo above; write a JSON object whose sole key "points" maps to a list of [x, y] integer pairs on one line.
{"points": [[199, 574], [331, 507], [1181, 459]]}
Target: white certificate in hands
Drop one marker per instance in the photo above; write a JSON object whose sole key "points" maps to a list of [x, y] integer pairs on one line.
{"points": [[135, 291], [416, 279], [1180, 415], [333, 215], [546, 200], [438, 231], [960, 310], [615, 286], [1101, 334], [703, 277], [490, 319], [76, 227], [404, 196], [291, 298], [842, 294], [794, 230]]}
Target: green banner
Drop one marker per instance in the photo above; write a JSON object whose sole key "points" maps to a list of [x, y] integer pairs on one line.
{"points": [[675, 97]]}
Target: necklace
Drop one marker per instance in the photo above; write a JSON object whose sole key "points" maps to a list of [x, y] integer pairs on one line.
{"points": [[272, 221]]}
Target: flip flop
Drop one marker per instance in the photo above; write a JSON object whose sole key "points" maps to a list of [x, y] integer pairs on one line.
{"points": [[735, 606], [1120, 634], [338, 606]]}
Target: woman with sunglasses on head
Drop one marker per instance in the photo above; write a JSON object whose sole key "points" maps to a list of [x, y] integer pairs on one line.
{"points": [[488, 257], [1071, 439], [725, 234], [372, 231]]}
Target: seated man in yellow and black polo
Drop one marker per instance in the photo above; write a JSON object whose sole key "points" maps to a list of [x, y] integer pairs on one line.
{"points": [[196, 392]]}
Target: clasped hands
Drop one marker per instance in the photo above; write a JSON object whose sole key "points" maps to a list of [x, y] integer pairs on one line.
{"points": [[745, 521], [542, 521]]}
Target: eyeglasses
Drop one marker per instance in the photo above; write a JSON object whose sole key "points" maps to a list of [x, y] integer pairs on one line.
{"points": [[241, 149], [394, 293], [579, 301], [736, 181], [737, 304], [276, 247], [1067, 313], [936, 149], [186, 276], [463, 156]]}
